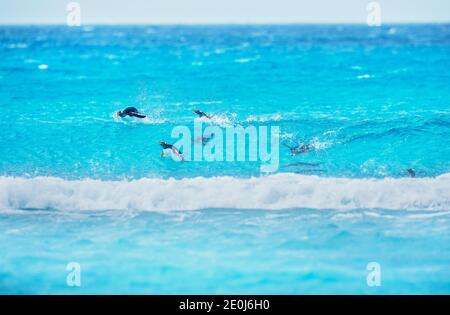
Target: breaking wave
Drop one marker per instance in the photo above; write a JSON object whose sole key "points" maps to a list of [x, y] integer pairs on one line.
{"points": [[280, 191]]}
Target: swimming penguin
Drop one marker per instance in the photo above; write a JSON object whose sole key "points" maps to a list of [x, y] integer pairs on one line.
{"points": [[299, 149], [411, 172], [204, 139], [174, 149], [201, 114], [130, 111]]}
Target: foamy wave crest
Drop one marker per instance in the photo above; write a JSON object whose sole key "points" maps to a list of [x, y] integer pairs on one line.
{"points": [[281, 191]]}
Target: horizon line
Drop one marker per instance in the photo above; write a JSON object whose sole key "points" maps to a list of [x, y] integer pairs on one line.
{"points": [[227, 23]]}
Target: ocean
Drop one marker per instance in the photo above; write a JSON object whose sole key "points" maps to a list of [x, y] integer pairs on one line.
{"points": [[80, 185]]}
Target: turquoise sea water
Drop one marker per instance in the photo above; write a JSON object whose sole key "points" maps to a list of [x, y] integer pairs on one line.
{"points": [[77, 184]]}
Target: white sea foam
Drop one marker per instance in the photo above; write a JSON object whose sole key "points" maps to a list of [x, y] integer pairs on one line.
{"points": [[243, 60], [264, 118], [280, 191], [17, 46], [148, 120], [317, 144], [222, 120]]}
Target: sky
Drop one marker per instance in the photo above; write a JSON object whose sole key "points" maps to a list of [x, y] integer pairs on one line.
{"points": [[222, 11]]}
